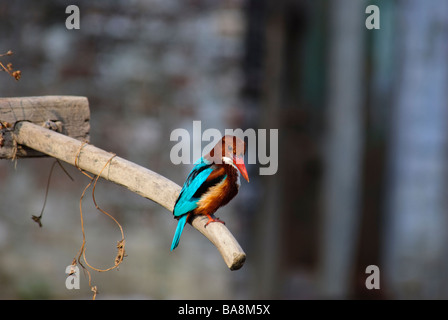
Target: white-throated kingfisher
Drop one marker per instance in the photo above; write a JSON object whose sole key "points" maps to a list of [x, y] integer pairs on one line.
{"points": [[211, 184]]}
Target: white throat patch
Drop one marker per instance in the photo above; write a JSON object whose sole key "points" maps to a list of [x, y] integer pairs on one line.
{"points": [[229, 161]]}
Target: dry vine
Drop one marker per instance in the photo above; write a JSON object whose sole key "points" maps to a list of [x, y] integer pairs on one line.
{"points": [[16, 74], [82, 251]]}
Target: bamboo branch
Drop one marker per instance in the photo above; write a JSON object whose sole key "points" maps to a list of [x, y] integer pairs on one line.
{"points": [[138, 179]]}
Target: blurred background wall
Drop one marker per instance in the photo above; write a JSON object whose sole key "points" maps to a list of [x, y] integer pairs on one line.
{"points": [[362, 120]]}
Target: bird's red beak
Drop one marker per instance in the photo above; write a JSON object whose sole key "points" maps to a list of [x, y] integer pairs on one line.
{"points": [[239, 162]]}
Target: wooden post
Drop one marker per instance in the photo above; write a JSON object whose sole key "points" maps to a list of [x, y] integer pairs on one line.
{"points": [[68, 115], [138, 179]]}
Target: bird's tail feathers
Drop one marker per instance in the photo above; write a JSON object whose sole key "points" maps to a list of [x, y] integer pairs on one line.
{"points": [[179, 229]]}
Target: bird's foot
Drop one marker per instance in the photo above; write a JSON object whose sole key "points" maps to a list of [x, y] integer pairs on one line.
{"points": [[213, 219]]}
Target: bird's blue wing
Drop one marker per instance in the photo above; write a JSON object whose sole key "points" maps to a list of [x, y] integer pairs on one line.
{"points": [[186, 201]]}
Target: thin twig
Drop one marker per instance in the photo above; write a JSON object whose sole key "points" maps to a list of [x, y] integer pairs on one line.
{"points": [[38, 219]]}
